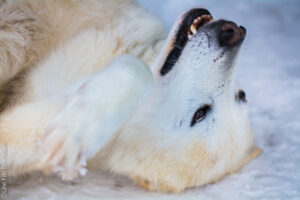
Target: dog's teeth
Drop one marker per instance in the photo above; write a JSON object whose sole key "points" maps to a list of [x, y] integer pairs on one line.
{"points": [[193, 29], [204, 19]]}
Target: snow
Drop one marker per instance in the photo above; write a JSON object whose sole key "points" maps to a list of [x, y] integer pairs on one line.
{"points": [[269, 72]]}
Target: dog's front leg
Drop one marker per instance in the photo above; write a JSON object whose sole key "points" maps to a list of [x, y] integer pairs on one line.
{"points": [[95, 111]]}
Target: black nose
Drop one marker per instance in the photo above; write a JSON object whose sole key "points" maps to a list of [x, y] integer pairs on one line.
{"points": [[231, 34]]}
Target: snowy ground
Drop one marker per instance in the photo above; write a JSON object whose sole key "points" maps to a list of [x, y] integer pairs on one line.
{"points": [[270, 74]]}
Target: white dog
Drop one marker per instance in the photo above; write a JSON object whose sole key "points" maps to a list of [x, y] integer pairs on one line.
{"points": [[176, 122]]}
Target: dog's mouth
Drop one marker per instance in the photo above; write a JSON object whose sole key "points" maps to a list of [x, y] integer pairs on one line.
{"points": [[198, 23], [189, 24]]}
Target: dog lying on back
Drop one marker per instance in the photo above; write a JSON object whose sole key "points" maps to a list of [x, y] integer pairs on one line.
{"points": [[168, 114]]}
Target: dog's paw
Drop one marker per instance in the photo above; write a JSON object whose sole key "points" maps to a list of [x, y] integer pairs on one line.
{"points": [[65, 150], [77, 133], [61, 158]]}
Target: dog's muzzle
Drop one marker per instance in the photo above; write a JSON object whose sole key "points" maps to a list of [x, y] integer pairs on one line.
{"points": [[197, 20]]}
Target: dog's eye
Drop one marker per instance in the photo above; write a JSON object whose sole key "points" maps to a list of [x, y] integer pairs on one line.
{"points": [[200, 114], [241, 96]]}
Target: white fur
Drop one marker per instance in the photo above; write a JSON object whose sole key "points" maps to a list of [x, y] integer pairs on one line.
{"points": [[103, 103], [78, 99]]}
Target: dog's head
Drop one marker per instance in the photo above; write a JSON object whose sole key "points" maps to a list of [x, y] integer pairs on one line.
{"points": [[195, 128], [195, 78]]}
